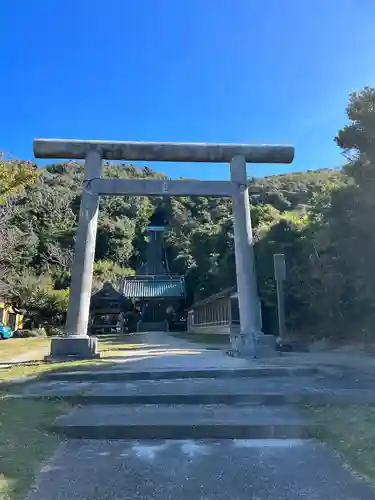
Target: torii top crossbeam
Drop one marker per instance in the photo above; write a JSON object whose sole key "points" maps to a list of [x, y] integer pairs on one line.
{"points": [[163, 151]]}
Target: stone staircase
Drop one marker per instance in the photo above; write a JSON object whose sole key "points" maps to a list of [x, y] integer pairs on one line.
{"points": [[259, 402], [199, 425], [251, 403]]}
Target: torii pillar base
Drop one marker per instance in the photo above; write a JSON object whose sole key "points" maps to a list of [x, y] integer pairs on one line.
{"points": [[242, 346], [79, 347]]}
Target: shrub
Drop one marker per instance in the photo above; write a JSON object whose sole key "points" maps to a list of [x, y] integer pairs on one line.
{"points": [[23, 334], [53, 331]]}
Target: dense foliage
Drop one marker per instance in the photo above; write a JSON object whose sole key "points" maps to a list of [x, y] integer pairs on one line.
{"points": [[322, 220]]}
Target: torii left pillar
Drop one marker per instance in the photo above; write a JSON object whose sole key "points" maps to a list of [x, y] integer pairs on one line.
{"points": [[76, 342]]}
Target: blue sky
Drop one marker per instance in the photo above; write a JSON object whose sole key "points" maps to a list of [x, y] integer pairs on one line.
{"points": [[254, 71]]}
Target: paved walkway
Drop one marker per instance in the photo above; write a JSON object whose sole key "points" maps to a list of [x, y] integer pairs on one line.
{"points": [[162, 351], [197, 470]]}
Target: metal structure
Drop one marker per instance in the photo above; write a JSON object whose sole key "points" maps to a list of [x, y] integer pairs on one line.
{"points": [[76, 341]]}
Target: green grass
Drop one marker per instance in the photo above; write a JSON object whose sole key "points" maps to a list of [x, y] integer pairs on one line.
{"points": [[12, 348], [110, 347], [351, 431], [38, 368], [37, 347], [24, 443]]}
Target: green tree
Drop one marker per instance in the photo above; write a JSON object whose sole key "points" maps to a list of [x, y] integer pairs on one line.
{"points": [[14, 176]]}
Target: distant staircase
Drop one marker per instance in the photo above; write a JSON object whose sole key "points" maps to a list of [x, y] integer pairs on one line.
{"points": [[157, 293]]}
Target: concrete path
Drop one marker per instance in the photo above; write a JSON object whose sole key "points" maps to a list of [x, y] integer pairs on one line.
{"points": [[197, 470], [162, 351], [180, 352]]}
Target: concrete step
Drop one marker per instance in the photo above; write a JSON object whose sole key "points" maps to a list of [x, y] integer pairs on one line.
{"points": [[175, 399], [268, 399], [318, 390], [181, 422], [266, 392], [117, 374]]}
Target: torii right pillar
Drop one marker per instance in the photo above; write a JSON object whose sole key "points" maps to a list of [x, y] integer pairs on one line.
{"points": [[251, 342]]}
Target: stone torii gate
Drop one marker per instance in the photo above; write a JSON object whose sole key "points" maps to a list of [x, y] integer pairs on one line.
{"points": [[76, 342]]}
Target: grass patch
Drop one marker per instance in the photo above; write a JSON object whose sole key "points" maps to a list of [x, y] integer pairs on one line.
{"points": [[24, 442], [12, 348], [38, 368], [351, 431], [109, 347]]}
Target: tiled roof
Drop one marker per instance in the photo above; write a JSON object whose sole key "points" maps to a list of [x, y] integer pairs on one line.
{"points": [[228, 292], [150, 287]]}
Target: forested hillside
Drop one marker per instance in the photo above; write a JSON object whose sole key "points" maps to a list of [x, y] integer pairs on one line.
{"points": [[324, 222]]}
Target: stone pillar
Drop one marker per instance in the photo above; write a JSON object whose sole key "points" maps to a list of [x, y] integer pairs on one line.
{"points": [[252, 341], [76, 342]]}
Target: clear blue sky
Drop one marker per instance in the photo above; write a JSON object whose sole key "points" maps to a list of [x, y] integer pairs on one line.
{"points": [[256, 71]]}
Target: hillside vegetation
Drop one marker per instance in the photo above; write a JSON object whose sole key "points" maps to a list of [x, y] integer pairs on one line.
{"points": [[324, 222]]}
